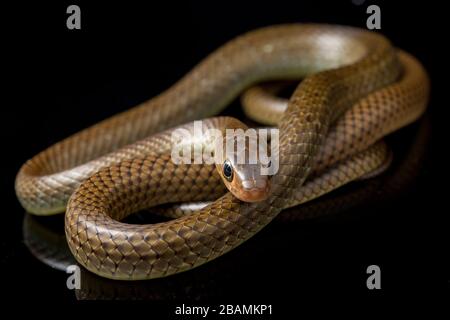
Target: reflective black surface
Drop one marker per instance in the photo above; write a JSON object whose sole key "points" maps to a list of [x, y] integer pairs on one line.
{"points": [[328, 231], [62, 81]]}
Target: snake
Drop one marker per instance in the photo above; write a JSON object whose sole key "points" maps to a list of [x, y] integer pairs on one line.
{"points": [[354, 81], [45, 238]]}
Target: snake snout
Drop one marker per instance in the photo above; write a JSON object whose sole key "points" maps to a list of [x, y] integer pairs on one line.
{"points": [[254, 190]]}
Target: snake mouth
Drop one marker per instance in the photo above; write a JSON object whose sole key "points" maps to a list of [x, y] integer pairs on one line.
{"points": [[255, 193]]}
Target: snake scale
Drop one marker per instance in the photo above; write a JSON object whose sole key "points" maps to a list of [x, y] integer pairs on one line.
{"points": [[354, 82]]}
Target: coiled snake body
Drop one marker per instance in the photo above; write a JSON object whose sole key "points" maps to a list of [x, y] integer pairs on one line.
{"points": [[342, 65]]}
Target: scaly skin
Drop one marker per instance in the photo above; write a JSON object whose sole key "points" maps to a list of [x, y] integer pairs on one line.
{"points": [[357, 62]]}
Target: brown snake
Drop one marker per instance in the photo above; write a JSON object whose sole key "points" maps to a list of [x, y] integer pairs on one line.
{"points": [[342, 65]]}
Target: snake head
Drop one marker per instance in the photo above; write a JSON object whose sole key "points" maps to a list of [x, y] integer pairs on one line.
{"points": [[244, 181]]}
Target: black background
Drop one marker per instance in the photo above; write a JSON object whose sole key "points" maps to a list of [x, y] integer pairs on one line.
{"points": [[58, 81]]}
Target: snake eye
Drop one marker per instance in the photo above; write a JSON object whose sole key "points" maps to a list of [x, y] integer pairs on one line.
{"points": [[228, 170]]}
